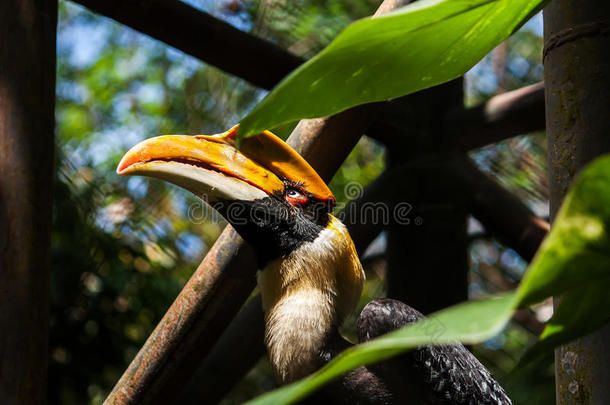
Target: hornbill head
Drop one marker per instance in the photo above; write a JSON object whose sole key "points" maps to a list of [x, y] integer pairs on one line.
{"points": [[265, 189], [310, 276]]}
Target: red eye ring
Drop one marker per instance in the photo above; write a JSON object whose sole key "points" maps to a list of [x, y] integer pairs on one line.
{"points": [[295, 197]]}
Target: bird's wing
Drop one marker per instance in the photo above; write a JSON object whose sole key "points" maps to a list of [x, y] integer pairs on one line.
{"points": [[447, 374]]}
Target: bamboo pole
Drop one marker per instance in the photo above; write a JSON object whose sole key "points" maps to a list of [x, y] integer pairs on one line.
{"points": [[577, 78]]}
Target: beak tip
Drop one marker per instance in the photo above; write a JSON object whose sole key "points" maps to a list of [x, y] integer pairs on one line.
{"points": [[124, 164]]}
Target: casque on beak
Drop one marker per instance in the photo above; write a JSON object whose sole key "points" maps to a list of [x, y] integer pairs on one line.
{"points": [[211, 165]]}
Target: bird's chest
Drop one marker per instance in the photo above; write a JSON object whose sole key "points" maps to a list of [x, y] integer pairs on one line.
{"points": [[305, 295], [296, 329]]}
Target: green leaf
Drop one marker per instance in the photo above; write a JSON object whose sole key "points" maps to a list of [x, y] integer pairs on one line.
{"points": [[580, 312], [577, 251], [573, 262], [470, 322], [418, 46]]}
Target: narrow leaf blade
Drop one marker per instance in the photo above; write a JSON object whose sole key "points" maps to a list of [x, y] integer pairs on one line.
{"points": [[421, 45]]}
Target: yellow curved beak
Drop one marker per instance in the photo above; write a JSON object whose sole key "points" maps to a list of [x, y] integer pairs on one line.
{"points": [[200, 166], [212, 165]]}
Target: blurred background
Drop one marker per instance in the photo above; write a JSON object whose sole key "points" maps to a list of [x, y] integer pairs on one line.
{"points": [[124, 247]]}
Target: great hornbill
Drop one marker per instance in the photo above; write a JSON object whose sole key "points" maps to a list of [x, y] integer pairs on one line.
{"points": [[310, 276]]}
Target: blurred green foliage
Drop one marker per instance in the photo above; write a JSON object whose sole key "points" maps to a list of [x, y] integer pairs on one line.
{"points": [[123, 248], [107, 291]]}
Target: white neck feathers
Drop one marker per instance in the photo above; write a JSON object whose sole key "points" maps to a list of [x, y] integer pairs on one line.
{"points": [[305, 296]]}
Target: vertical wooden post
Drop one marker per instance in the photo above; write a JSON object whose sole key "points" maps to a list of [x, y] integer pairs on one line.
{"points": [[27, 100], [428, 255], [577, 86]]}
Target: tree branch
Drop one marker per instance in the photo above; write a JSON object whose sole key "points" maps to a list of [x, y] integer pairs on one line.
{"points": [[501, 213], [503, 116], [196, 33]]}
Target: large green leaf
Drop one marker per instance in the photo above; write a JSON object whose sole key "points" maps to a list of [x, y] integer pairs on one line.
{"points": [[471, 322], [580, 312], [418, 46], [578, 249], [573, 262]]}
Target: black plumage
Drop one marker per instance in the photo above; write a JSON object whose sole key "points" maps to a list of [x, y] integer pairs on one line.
{"points": [[447, 374]]}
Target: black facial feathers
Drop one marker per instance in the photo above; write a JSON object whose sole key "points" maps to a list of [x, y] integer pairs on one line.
{"points": [[273, 225]]}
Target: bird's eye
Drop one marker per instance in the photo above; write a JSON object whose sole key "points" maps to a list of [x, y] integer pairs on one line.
{"points": [[295, 197], [294, 194]]}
